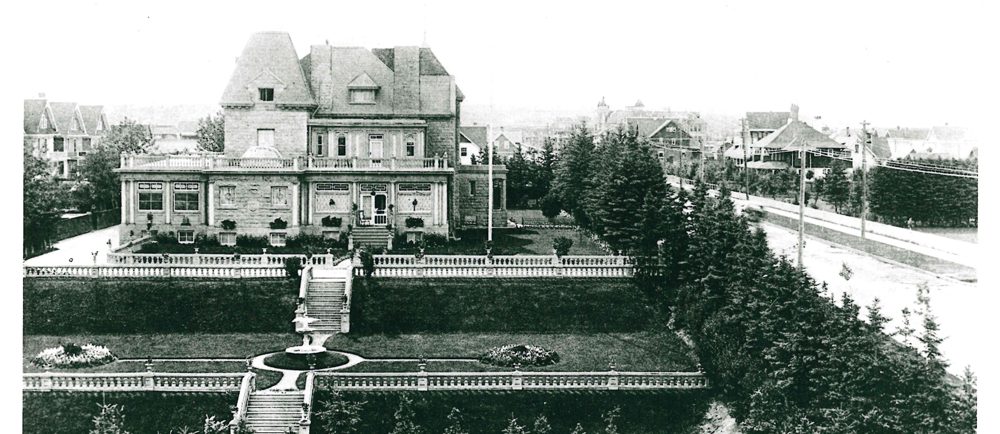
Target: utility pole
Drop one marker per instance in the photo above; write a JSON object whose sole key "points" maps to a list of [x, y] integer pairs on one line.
{"points": [[489, 206], [864, 175], [701, 163], [682, 172], [802, 197], [746, 173]]}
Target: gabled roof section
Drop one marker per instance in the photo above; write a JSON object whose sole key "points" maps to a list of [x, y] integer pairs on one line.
{"points": [[64, 113], [268, 59], [767, 120], [362, 81], [791, 137], [429, 64], [34, 110], [645, 127], [474, 133], [680, 132], [92, 115], [386, 55], [908, 133]]}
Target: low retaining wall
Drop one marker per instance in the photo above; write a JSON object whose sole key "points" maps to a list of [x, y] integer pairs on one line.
{"points": [[517, 380]]}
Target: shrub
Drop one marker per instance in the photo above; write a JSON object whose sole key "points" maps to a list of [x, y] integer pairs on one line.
{"points": [[524, 355], [292, 266], [278, 223], [435, 240], [562, 245], [252, 242], [551, 206], [414, 222], [332, 222], [367, 262], [228, 224]]}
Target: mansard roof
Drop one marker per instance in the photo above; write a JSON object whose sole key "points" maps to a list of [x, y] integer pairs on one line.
{"points": [[268, 60]]}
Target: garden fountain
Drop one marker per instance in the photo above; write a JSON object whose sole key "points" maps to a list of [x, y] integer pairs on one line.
{"points": [[303, 326]]}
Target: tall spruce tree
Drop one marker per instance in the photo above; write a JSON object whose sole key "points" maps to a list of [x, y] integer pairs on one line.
{"points": [[573, 171]]}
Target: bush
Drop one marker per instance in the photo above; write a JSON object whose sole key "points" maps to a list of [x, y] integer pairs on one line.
{"points": [[292, 267], [367, 262], [278, 223], [562, 245], [331, 221], [228, 224], [523, 355], [252, 242], [74, 356], [414, 222], [551, 206], [78, 306]]}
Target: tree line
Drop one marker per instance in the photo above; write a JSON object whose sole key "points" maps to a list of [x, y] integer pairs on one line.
{"points": [[779, 350]]}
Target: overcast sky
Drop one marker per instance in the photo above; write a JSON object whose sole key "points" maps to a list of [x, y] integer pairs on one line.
{"points": [[889, 63]]}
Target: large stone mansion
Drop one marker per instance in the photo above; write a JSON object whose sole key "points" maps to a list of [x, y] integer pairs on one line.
{"points": [[343, 139]]}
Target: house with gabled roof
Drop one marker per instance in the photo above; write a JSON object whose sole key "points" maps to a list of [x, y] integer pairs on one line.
{"points": [[345, 140], [62, 132], [646, 121], [781, 148], [877, 147], [472, 139]]}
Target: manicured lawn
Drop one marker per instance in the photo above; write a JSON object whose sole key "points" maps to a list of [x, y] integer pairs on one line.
{"points": [[508, 241], [136, 366], [894, 253], [141, 346], [639, 351], [386, 305]]}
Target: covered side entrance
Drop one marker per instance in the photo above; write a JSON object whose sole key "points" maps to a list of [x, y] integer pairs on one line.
{"points": [[374, 205]]}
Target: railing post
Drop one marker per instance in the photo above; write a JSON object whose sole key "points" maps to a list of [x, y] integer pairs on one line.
{"points": [[613, 379], [47, 380], [392, 163], [295, 163], [354, 162], [422, 376], [517, 380], [95, 272], [444, 162]]}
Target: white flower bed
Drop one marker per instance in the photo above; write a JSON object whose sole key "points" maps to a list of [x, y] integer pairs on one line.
{"points": [[72, 356], [524, 355]]}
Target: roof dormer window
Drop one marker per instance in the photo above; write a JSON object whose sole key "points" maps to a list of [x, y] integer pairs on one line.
{"points": [[362, 89], [362, 96], [76, 124], [44, 124], [266, 93]]}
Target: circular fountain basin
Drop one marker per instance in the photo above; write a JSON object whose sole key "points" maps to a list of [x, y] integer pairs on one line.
{"points": [[304, 350]]}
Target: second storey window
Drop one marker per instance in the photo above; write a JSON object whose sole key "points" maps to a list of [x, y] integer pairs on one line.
{"points": [[266, 93], [411, 147], [341, 146], [185, 196], [363, 96], [472, 188], [227, 196], [57, 144], [150, 196], [279, 197]]}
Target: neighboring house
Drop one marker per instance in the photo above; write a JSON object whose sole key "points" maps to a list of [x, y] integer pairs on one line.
{"points": [[942, 140], [366, 137], [852, 139], [62, 132], [506, 143], [780, 149], [652, 124], [472, 139], [762, 124], [174, 139]]}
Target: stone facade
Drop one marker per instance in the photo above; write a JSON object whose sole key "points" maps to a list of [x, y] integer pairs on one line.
{"points": [[473, 196], [369, 137]]}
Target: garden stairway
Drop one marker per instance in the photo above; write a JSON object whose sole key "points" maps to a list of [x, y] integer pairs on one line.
{"points": [[274, 412], [324, 301], [374, 237]]}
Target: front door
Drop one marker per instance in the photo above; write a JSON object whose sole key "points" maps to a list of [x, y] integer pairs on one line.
{"points": [[375, 145], [378, 209]]}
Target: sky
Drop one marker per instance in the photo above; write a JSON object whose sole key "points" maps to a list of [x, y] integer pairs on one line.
{"points": [[891, 63]]}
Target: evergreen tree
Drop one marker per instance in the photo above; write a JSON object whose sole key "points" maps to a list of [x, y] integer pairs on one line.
{"points": [[111, 420], [212, 133], [578, 429], [514, 428], [836, 186], [611, 420], [455, 423], [128, 136], [875, 317], [405, 418], [572, 173], [338, 414], [541, 425]]}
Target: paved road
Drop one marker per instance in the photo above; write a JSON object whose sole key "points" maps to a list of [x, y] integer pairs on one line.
{"points": [[79, 249], [959, 306]]}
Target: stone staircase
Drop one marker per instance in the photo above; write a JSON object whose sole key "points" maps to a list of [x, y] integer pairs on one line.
{"points": [[374, 237], [324, 301], [274, 412]]}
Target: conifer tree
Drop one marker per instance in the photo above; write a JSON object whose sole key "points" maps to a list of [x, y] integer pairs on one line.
{"points": [[578, 429], [514, 428], [875, 317], [455, 423], [405, 418], [111, 420], [611, 420], [541, 425]]}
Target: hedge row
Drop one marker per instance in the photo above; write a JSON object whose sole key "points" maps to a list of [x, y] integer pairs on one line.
{"points": [[145, 412], [650, 412], [72, 306], [386, 305]]}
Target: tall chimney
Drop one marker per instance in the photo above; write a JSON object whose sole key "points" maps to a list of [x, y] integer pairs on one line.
{"points": [[794, 115]]}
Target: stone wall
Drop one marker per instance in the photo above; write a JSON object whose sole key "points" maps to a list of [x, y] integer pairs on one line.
{"points": [[289, 129], [472, 204]]}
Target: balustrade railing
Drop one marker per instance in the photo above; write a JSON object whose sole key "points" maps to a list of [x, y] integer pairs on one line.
{"points": [[247, 387], [152, 271], [516, 380], [198, 259], [221, 162], [133, 381], [501, 266]]}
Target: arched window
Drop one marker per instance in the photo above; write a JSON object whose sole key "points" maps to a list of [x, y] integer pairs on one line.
{"points": [[411, 146]]}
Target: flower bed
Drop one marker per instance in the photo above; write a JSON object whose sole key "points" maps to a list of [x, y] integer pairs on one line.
{"points": [[74, 356], [523, 355]]}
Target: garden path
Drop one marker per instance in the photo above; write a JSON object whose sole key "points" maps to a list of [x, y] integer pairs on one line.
{"points": [[289, 376], [79, 250]]}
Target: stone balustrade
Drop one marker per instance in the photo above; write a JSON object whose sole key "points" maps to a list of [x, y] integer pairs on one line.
{"points": [[155, 271], [247, 387], [219, 162], [501, 266], [228, 260], [133, 381], [516, 380]]}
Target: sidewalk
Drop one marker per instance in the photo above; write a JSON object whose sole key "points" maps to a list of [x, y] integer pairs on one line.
{"points": [[79, 249]]}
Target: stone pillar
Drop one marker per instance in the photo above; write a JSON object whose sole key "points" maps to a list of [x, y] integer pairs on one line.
{"points": [[309, 198], [131, 201], [168, 195], [295, 203], [124, 200], [210, 201], [435, 217]]}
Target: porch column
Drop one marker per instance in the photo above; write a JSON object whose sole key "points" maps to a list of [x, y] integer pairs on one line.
{"points": [[435, 216], [210, 200], [131, 202], [168, 190], [391, 199], [295, 203], [124, 201], [309, 203]]}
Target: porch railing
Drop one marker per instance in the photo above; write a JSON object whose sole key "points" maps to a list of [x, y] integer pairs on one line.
{"points": [[219, 162]]}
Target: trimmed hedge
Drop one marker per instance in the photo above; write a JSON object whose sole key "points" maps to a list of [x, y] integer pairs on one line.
{"points": [[73, 306], [543, 305], [486, 412], [145, 412]]}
